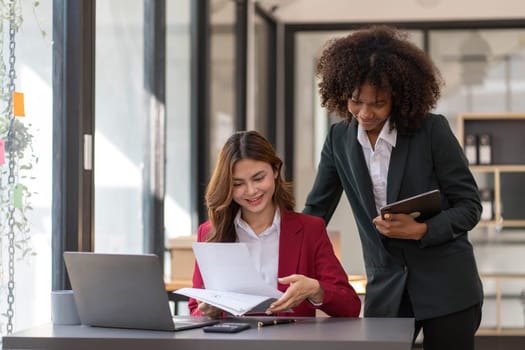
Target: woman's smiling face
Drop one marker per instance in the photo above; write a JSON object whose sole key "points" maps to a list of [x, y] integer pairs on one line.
{"points": [[371, 107], [253, 186]]}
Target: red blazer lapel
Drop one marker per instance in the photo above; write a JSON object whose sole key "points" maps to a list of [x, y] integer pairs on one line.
{"points": [[290, 243]]}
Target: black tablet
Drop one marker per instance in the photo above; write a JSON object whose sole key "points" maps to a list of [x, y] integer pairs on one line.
{"points": [[422, 206]]}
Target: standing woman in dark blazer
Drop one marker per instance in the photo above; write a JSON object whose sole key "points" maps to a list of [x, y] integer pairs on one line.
{"points": [[248, 201], [389, 147]]}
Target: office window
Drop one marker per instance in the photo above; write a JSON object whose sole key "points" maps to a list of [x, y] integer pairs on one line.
{"points": [[33, 65], [120, 116], [264, 76], [178, 156], [222, 90]]}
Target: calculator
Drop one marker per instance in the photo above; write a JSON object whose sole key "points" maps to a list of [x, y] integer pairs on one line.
{"points": [[226, 327]]}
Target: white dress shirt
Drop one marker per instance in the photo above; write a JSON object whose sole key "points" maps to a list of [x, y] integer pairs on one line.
{"points": [[264, 248], [378, 159]]}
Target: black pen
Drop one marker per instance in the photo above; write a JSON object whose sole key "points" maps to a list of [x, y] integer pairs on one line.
{"points": [[274, 322]]}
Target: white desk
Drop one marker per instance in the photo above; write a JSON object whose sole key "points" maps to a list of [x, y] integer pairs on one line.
{"points": [[305, 334]]}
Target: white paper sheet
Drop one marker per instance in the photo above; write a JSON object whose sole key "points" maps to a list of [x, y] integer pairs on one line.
{"points": [[228, 267]]}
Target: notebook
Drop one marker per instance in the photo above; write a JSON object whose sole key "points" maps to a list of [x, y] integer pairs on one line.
{"points": [[123, 291]]}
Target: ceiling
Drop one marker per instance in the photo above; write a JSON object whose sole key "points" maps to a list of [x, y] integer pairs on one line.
{"points": [[295, 11]]}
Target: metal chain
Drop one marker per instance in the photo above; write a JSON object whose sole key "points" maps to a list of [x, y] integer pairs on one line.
{"points": [[11, 178]]}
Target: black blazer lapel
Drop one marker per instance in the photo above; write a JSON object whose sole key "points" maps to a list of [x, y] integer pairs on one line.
{"points": [[396, 168], [359, 170]]}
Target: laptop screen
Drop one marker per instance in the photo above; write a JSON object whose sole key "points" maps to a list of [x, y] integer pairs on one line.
{"points": [[119, 290]]}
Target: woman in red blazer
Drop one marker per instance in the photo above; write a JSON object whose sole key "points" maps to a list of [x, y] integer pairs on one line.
{"points": [[249, 201]]}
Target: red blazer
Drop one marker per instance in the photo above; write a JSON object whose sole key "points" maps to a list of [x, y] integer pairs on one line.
{"points": [[304, 248]]}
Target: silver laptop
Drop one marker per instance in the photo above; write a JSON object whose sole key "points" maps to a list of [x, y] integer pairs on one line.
{"points": [[123, 291]]}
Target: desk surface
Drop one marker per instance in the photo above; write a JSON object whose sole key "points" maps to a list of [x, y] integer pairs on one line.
{"points": [[305, 334]]}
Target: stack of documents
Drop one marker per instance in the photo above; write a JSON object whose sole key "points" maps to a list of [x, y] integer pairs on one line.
{"points": [[232, 282]]}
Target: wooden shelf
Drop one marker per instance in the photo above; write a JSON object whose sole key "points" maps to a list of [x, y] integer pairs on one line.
{"points": [[508, 157], [498, 168], [502, 223], [500, 332]]}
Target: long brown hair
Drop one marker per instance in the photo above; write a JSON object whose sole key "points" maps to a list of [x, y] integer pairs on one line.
{"points": [[221, 207]]}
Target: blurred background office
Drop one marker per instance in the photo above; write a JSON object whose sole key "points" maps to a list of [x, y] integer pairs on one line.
{"points": [[128, 101]]}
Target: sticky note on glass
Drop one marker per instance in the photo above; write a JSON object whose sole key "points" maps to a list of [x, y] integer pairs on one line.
{"points": [[18, 194], [18, 104], [2, 152]]}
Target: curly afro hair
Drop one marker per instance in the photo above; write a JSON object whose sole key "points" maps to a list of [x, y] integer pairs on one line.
{"points": [[383, 57]]}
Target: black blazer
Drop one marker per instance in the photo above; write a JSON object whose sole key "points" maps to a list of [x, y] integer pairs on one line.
{"points": [[439, 271]]}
